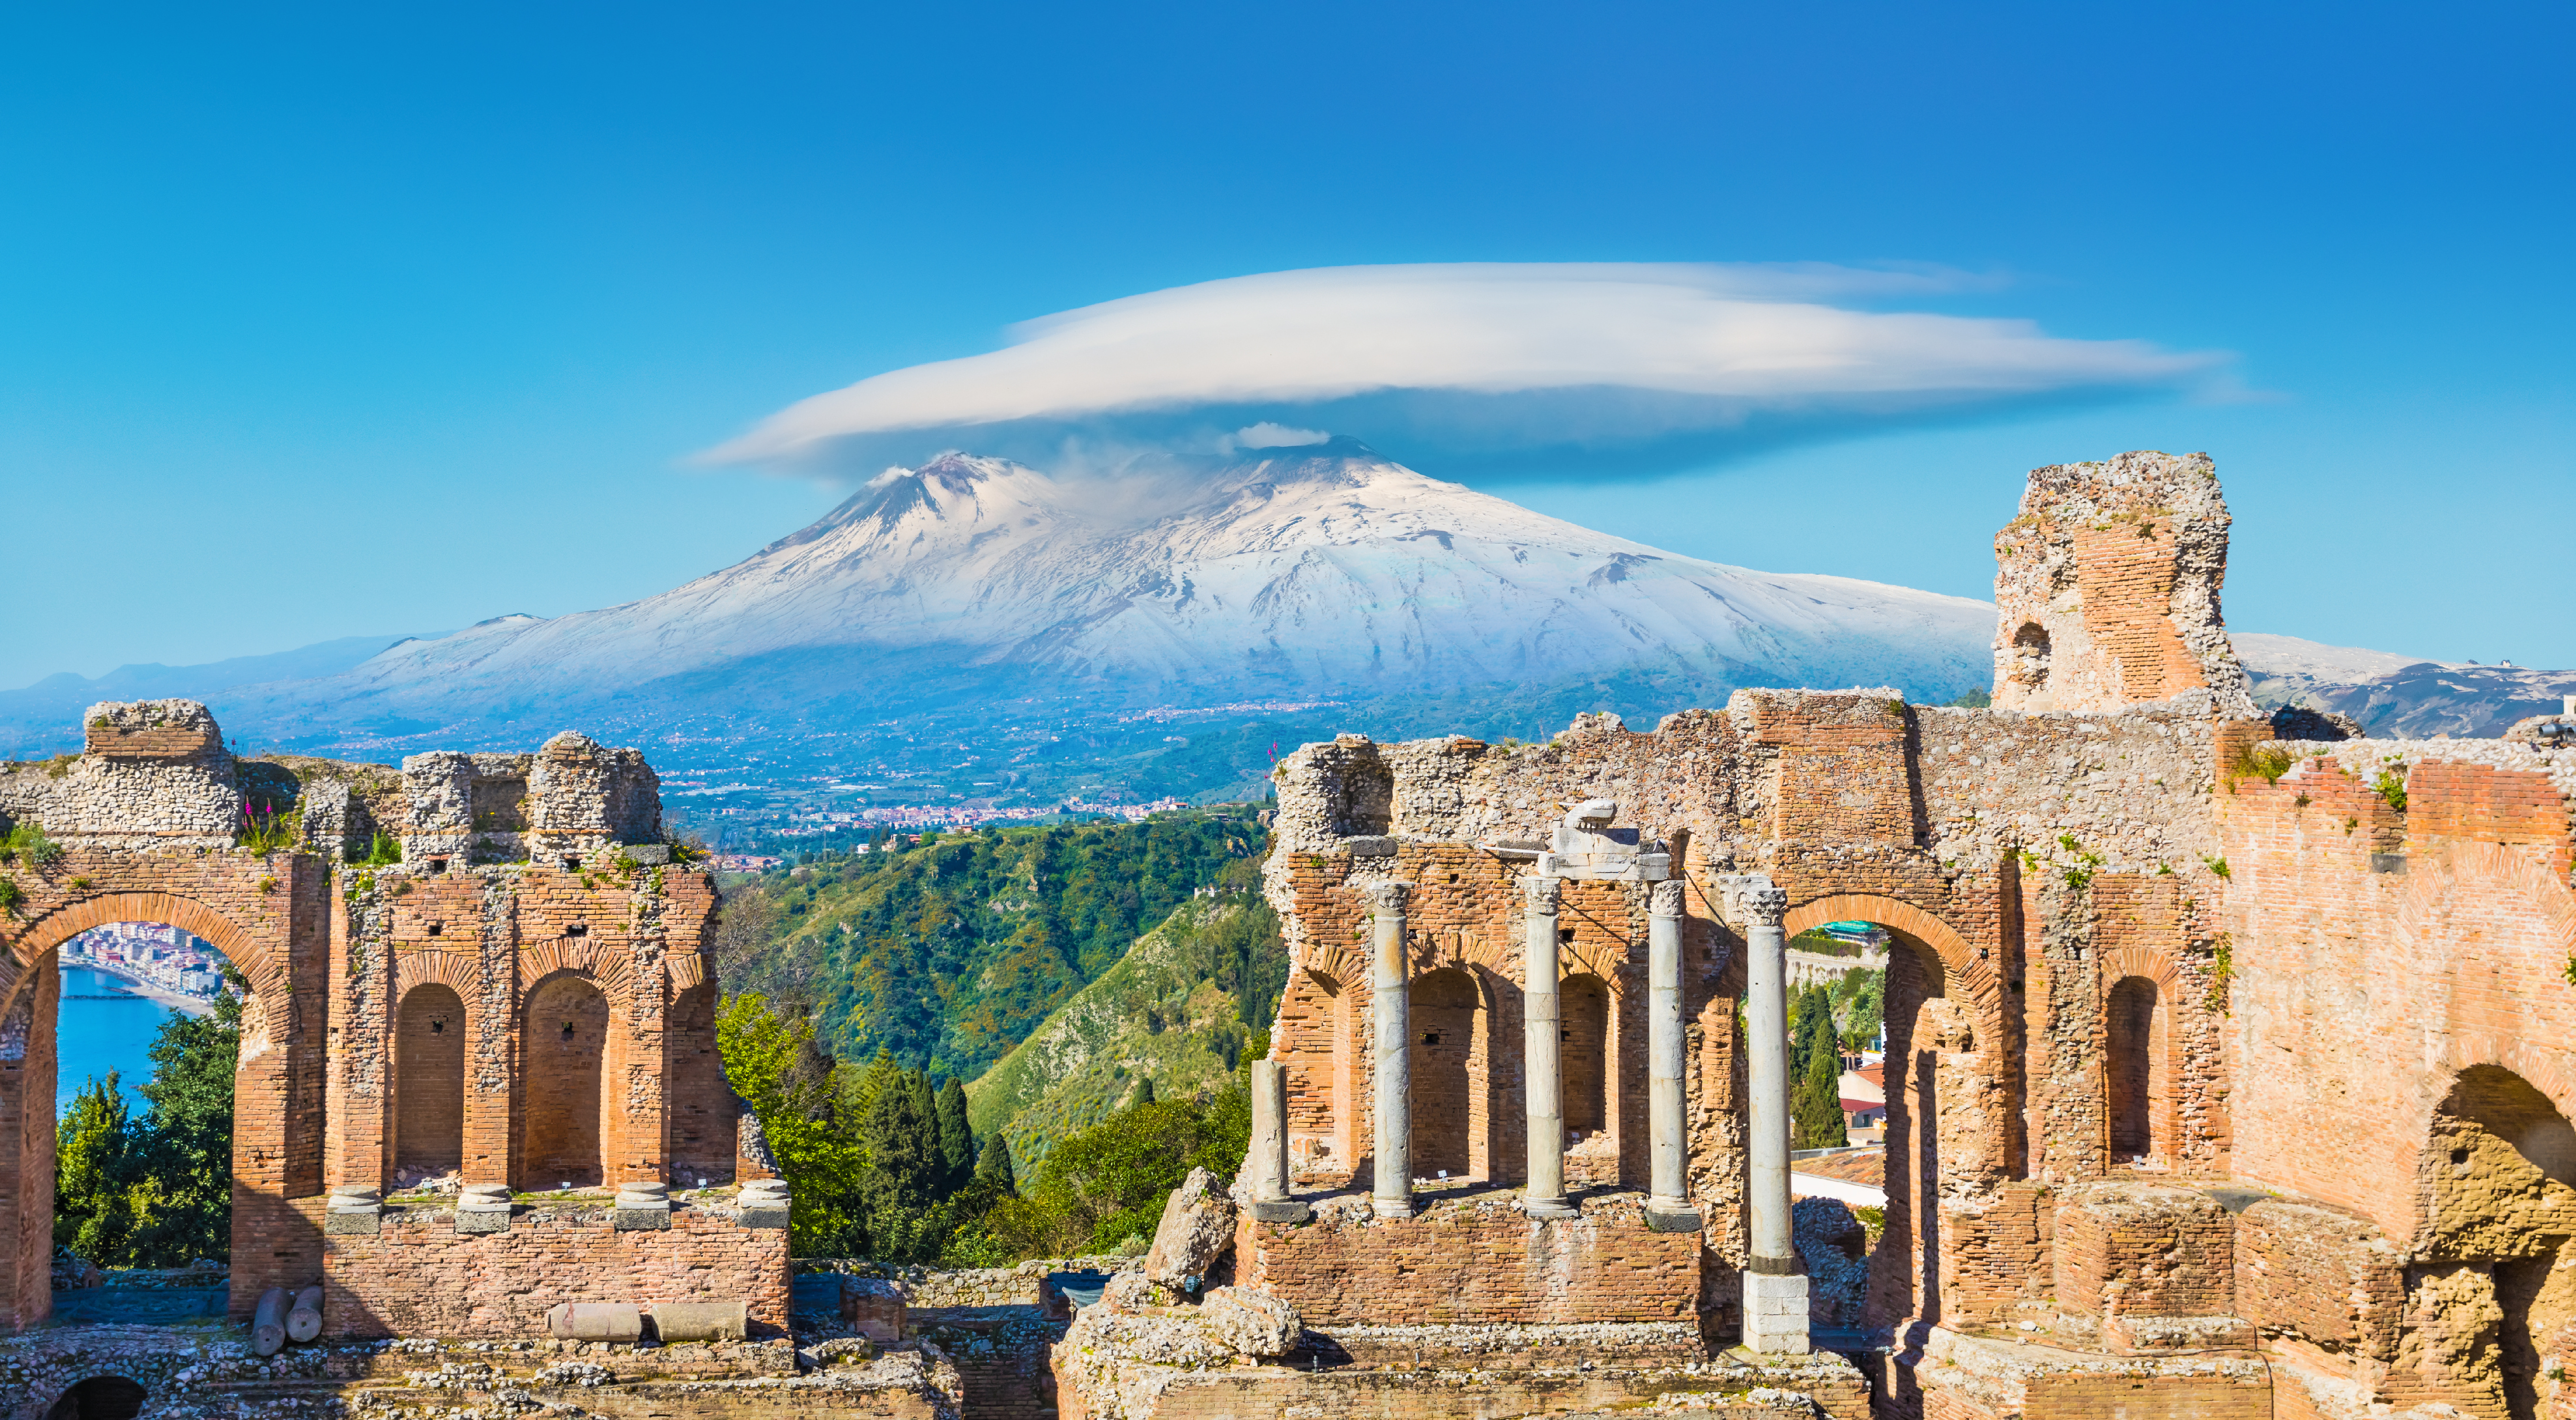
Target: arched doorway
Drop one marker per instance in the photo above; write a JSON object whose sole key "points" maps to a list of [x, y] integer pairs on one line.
{"points": [[100, 1398], [146, 1043], [1314, 1034], [2137, 1083], [1444, 1006], [2489, 1296], [262, 1146], [563, 1052], [1918, 1023], [429, 1085]]}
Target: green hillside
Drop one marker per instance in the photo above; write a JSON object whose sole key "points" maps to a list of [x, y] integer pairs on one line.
{"points": [[949, 954], [1177, 1011]]}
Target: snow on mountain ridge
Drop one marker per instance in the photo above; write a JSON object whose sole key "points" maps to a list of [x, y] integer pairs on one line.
{"points": [[1320, 565]]}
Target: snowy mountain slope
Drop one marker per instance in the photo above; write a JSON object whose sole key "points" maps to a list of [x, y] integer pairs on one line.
{"points": [[1312, 569]]}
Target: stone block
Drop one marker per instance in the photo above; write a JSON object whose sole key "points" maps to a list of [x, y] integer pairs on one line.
{"points": [[1197, 1228], [700, 1321], [875, 1307], [344, 1223], [596, 1321], [764, 1217], [1775, 1313], [644, 1219], [1251, 1322], [1287, 1212], [482, 1220]]}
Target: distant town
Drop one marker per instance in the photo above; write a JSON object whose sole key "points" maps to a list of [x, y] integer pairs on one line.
{"points": [[164, 961]]}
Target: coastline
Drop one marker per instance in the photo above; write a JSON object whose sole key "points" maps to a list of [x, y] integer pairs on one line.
{"points": [[178, 1001]]}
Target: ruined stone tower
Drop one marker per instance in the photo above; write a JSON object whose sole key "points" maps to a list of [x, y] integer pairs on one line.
{"points": [[2106, 588]]}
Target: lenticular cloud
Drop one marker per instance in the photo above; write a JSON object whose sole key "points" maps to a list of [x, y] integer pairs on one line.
{"points": [[1485, 365]]}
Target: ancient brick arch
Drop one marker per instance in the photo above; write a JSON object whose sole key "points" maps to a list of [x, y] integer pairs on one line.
{"points": [[151, 824], [259, 911], [2518, 899], [1895, 914], [2538, 900], [78, 911]]}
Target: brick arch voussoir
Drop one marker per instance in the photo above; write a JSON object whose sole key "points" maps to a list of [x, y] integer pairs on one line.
{"points": [[2488, 868], [1958, 959], [1347, 968], [452, 970], [538, 981], [49, 931], [612, 972], [2539, 1067], [2150, 962]]}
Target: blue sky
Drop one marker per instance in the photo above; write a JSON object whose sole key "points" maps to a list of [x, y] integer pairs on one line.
{"points": [[339, 320]]}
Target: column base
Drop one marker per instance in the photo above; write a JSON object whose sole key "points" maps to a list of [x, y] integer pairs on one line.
{"points": [[1550, 1208], [483, 1220], [1391, 1207], [1284, 1210], [1775, 1314], [1675, 1219]]}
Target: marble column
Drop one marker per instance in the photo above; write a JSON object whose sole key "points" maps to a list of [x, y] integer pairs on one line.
{"points": [[1668, 1205], [1542, 1061], [1775, 1286], [1268, 1165], [1389, 1004]]}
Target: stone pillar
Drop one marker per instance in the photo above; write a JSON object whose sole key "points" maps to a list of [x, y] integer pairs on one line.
{"points": [[1267, 1167], [1668, 1205], [1541, 1061], [1388, 1003], [1775, 1289]]}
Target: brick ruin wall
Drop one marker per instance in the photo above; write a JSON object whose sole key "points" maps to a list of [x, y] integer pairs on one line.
{"points": [[403, 1023], [1474, 1264], [418, 1276], [2140, 948], [2107, 588]]}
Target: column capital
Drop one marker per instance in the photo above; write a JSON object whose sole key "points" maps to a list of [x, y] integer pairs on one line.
{"points": [[1665, 899], [1541, 893], [1386, 898], [1752, 900]]}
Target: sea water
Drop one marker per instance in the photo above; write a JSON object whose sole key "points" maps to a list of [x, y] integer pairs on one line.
{"points": [[104, 1027]]}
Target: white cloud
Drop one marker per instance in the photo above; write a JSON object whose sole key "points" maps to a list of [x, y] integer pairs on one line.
{"points": [[1267, 435], [1470, 359]]}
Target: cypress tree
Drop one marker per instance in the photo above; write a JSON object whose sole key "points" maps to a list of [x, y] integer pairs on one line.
{"points": [[1817, 1105], [902, 1173], [994, 1169], [956, 1138]]}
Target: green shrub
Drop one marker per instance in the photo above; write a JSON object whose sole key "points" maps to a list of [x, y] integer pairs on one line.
{"points": [[26, 843]]}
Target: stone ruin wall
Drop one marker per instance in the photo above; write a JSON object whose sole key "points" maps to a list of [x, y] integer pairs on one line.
{"points": [[523, 879], [2107, 588], [2204, 1055]]}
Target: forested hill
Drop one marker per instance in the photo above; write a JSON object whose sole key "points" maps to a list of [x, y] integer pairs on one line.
{"points": [[949, 954]]}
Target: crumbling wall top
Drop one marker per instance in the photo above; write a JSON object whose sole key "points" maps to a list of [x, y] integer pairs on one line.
{"points": [[2107, 588]]}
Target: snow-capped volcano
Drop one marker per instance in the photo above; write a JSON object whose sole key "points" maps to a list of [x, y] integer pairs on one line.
{"points": [[1322, 568]]}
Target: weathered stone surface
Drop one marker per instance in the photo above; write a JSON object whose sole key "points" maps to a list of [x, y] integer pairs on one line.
{"points": [[596, 1321], [1197, 1228], [700, 1321], [1251, 1322]]}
